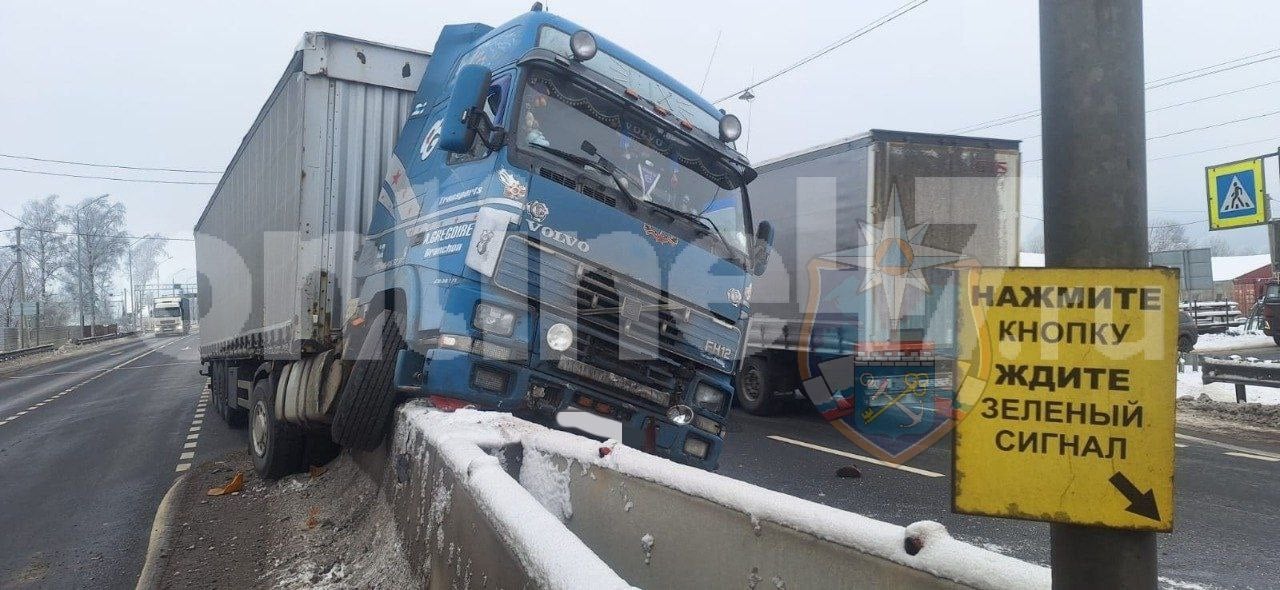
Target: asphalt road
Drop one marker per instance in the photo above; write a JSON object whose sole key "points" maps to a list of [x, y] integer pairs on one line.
{"points": [[1226, 516], [88, 447]]}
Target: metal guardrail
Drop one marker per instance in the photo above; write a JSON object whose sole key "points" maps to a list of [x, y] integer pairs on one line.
{"points": [[92, 339], [21, 352], [1240, 373]]}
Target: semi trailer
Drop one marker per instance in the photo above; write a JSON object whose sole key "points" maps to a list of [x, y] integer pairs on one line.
{"points": [[872, 233], [528, 219]]}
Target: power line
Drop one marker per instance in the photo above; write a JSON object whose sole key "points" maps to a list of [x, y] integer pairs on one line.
{"points": [[114, 178], [873, 25], [1223, 123], [86, 235], [1183, 131], [1219, 95], [1188, 75], [1214, 149], [96, 165], [1203, 151]]}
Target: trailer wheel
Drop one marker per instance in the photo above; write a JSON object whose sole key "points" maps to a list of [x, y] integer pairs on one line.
{"points": [[755, 387], [233, 415], [364, 406], [276, 447]]}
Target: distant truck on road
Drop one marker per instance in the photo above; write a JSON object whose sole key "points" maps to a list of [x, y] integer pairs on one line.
{"points": [[171, 316], [528, 219], [870, 235]]}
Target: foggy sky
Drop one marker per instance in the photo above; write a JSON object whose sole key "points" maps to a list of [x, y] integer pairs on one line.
{"points": [[177, 84]]}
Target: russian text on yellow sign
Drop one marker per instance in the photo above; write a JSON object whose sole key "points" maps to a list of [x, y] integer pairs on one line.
{"points": [[1066, 396], [1257, 215]]}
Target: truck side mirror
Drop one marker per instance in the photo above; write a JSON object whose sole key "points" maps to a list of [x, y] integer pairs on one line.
{"points": [[760, 250], [458, 130]]}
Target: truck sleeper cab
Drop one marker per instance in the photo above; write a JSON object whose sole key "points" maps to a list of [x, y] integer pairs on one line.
{"points": [[563, 233]]}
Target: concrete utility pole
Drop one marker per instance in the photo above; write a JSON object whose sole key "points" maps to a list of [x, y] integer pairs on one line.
{"points": [[1095, 211]]}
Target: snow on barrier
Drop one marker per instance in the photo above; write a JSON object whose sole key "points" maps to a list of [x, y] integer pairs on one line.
{"points": [[486, 497]]}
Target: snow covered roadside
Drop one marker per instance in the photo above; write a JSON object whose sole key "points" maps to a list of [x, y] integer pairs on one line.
{"points": [[1190, 384], [924, 546], [1233, 338]]}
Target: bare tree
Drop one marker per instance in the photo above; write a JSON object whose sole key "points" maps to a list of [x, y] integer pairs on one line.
{"points": [[98, 242], [44, 246], [1034, 240], [145, 256], [1221, 247], [1166, 234]]}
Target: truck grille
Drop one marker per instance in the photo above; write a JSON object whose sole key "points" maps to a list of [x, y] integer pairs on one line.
{"points": [[623, 327]]}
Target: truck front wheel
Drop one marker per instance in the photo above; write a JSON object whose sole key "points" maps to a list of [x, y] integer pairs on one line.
{"points": [[755, 390], [365, 404], [276, 447]]}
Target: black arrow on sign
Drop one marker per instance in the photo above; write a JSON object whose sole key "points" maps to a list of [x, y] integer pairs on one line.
{"points": [[1142, 504]]}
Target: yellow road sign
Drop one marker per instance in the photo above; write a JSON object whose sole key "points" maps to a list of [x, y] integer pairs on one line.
{"points": [[1237, 194], [1065, 396]]}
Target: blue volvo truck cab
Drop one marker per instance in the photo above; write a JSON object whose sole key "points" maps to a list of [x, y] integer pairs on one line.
{"points": [[564, 233]]}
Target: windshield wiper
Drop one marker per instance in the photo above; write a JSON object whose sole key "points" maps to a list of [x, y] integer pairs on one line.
{"points": [[699, 219], [602, 165]]}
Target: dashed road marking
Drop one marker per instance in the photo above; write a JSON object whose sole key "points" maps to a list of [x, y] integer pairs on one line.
{"points": [[908, 469], [1252, 456], [1179, 445], [188, 453], [99, 374], [1229, 447]]}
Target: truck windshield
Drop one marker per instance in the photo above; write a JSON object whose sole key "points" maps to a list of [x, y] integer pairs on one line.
{"points": [[661, 166], [166, 312]]}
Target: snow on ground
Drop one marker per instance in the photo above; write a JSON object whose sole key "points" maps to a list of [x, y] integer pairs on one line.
{"points": [[1190, 384], [1231, 339]]}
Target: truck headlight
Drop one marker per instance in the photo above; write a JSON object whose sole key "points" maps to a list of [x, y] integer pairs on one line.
{"points": [[708, 397], [680, 415], [493, 319], [559, 337]]}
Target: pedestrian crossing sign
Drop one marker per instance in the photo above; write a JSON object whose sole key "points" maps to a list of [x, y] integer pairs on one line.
{"points": [[1237, 194]]}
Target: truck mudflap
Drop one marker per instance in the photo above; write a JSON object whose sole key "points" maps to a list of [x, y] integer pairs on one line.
{"points": [[549, 400]]}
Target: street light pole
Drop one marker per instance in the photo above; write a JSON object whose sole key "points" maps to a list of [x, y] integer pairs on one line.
{"points": [[1095, 206]]}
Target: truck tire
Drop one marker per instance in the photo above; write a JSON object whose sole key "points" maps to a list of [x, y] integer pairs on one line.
{"points": [[277, 448], [233, 415], [364, 406], [755, 387]]}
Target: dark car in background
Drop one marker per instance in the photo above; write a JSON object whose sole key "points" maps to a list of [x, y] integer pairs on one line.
{"points": [[1187, 332]]}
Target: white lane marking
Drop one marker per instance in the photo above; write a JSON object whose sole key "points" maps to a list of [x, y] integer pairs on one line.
{"points": [[1229, 447], [1252, 456], [197, 422], [183, 467], [194, 429], [33, 407], [19, 414], [906, 468], [188, 455], [190, 445], [1179, 445], [192, 436]]}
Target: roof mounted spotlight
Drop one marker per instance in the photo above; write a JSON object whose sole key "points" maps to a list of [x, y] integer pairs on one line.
{"points": [[730, 128], [582, 45]]}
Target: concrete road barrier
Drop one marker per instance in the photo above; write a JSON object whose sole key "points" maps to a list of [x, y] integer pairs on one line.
{"points": [[487, 497]]}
